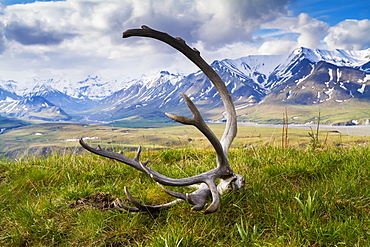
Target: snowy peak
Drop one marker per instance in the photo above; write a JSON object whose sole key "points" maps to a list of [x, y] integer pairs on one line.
{"points": [[94, 88], [344, 58], [159, 79], [263, 64]]}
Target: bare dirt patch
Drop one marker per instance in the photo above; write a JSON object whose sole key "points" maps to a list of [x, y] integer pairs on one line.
{"points": [[99, 200]]}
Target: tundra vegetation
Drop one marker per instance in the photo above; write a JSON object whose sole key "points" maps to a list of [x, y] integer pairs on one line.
{"points": [[294, 195]]}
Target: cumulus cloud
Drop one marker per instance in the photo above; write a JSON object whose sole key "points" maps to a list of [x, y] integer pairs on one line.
{"points": [[309, 30], [350, 35], [237, 21], [33, 34], [276, 46]]}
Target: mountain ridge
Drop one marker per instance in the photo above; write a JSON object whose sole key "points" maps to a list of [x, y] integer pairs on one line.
{"points": [[303, 77]]}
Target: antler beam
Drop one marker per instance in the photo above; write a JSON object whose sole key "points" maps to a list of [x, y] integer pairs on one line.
{"points": [[194, 56], [207, 180]]}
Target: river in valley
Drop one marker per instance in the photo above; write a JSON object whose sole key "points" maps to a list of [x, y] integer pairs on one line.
{"points": [[356, 130]]}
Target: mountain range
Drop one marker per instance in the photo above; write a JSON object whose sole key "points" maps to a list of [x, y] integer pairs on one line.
{"points": [[303, 77]]}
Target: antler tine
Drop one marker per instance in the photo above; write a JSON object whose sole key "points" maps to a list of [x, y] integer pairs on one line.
{"points": [[197, 198], [198, 121], [119, 205], [150, 209], [135, 163], [200, 178]]}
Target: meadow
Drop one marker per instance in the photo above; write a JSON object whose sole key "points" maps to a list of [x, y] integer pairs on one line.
{"points": [[309, 189]]}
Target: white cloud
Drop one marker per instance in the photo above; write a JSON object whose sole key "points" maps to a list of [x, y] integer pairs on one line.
{"points": [[349, 35], [277, 46], [236, 21], [309, 30]]}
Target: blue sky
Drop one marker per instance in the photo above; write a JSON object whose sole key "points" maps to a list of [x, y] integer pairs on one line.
{"points": [[333, 11], [74, 38]]}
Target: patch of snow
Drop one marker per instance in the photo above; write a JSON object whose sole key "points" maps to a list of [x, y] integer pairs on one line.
{"points": [[329, 93], [366, 78], [289, 94], [331, 78], [342, 86], [234, 88], [339, 74], [362, 89], [337, 57], [8, 99], [165, 102], [243, 106], [85, 138]]}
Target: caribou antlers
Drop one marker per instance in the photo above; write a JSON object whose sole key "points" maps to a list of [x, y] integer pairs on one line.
{"points": [[207, 180]]}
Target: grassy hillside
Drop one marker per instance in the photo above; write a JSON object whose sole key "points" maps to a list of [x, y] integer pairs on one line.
{"points": [[330, 112], [293, 197]]}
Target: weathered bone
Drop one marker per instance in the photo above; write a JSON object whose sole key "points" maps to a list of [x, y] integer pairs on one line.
{"points": [[207, 181]]}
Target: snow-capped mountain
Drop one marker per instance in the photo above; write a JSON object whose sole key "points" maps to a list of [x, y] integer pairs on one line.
{"points": [[315, 76], [34, 107], [93, 88], [143, 98], [305, 76]]}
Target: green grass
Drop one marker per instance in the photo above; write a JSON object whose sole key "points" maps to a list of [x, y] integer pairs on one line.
{"points": [[296, 196]]}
